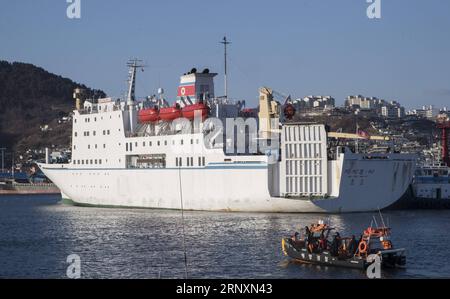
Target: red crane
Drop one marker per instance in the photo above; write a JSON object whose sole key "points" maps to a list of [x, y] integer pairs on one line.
{"points": [[445, 130]]}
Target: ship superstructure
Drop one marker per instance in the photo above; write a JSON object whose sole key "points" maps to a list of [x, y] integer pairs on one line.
{"points": [[152, 153]]}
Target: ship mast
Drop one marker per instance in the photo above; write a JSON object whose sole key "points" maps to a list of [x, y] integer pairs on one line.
{"points": [[133, 65], [225, 43]]}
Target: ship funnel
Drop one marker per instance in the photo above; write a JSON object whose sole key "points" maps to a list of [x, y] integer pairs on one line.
{"points": [[196, 86]]}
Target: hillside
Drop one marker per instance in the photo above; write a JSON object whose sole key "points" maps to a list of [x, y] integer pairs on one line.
{"points": [[31, 97]]}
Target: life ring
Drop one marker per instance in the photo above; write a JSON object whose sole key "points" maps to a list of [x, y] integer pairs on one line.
{"points": [[362, 247]]}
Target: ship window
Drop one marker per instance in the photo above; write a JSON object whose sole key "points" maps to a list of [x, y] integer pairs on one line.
{"points": [[181, 141], [165, 142], [181, 162], [187, 161], [199, 161], [149, 143], [75, 121], [192, 141], [131, 146], [91, 161], [87, 133], [76, 134], [192, 161], [108, 132], [136, 144], [89, 146], [100, 161], [74, 147], [96, 146], [176, 161], [104, 145], [104, 132], [143, 143], [159, 142], [74, 161], [95, 162], [82, 162], [126, 147], [203, 161], [93, 133], [95, 118]]}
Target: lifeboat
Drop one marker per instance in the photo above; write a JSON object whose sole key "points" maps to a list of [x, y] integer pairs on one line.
{"points": [[189, 111], [149, 115], [169, 113]]}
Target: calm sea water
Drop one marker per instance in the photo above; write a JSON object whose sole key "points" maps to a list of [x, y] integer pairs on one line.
{"points": [[37, 233]]}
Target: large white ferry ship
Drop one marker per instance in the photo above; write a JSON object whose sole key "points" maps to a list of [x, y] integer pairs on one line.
{"points": [[147, 155]]}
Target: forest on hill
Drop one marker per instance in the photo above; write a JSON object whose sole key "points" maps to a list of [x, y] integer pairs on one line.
{"points": [[32, 98]]}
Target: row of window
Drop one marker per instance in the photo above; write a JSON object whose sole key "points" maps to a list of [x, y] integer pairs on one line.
{"points": [[189, 161], [129, 145], [94, 133], [88, 119], [88, 162], [95, 146]]}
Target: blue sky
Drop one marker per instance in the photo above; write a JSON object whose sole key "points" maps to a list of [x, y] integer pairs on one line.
{"points": [[297, 47]]}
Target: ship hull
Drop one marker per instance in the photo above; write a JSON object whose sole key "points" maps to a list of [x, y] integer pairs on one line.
{"points": [[233, 188]]}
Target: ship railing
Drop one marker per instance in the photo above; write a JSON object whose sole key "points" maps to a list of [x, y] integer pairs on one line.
{"points": [[96, 110]]}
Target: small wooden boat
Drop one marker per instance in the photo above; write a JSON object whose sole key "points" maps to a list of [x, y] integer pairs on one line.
{"points": [[315, 248]]}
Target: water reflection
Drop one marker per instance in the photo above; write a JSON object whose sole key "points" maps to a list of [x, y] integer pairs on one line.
{"points": [[37, 234]]}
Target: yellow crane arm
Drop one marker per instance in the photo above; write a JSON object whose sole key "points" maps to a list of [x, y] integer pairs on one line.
{"points": [[355, 136]]}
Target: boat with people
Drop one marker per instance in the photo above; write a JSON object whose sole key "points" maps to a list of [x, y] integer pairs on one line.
{"points": [[318, 244]]}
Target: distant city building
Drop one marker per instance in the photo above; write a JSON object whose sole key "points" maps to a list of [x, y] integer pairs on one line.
{"points": [[392, 111], [380, 107], [360, 102], [315, 102], [426, 112]]}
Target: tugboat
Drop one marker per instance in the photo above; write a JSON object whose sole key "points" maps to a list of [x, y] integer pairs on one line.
{"points": [[314, 247]]}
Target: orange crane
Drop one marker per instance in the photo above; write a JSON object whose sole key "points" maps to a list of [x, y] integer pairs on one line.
{"points": [[444, 126]]}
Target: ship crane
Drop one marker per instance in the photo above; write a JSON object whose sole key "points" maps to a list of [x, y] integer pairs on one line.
{"points": [[339, 135]]}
